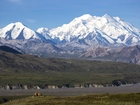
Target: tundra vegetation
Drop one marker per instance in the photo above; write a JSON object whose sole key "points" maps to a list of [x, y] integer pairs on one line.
{"points": [[33, 70], [96, 99]]}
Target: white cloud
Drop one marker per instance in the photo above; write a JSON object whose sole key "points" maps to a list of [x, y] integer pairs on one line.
{"points": [[31, 20]]}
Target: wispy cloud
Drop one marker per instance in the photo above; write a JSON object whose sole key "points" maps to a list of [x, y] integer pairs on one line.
{"points": [[31, 20], [16, 1]]}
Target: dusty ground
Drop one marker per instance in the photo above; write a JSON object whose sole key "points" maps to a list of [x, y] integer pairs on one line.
{"points": [[73, 91]]}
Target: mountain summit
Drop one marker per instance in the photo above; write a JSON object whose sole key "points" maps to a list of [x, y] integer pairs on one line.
{"points": [[105, 29], [87, 29], [19, 31]]}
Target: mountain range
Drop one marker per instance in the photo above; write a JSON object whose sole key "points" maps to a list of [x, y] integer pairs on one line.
{"points": [[104, 30], [106, 38]]}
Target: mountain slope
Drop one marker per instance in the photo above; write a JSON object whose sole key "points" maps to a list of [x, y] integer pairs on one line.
{"points": [[9, 49], [27, 69], [85, 36], [128, 54], [105, 29], [44, 31], [19, 31], [33, 47]]}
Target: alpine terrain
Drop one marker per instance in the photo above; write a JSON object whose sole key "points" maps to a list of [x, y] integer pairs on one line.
{"points": [[86, 36]]}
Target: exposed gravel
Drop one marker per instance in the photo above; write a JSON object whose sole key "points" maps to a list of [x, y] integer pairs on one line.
{"points": [[73, 91]]}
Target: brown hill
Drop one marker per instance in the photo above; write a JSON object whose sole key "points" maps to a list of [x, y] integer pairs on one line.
{"points": [[28, 69], [127, 54]]}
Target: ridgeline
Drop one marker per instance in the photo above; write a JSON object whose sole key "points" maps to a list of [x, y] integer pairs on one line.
{"points": [[28, 69]]}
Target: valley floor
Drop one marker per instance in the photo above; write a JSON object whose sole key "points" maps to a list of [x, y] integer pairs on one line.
{"points": [[73, 91]]}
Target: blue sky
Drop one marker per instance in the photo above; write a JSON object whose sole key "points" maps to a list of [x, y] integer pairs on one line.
{"points": [[54, 13]]}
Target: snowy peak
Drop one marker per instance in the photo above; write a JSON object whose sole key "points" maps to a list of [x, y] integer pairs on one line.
{"points": [[15, 25], [18, 31], [44, 31], [90, 29], [112, 30], [107, 16], [85, 17], [108, 19]]}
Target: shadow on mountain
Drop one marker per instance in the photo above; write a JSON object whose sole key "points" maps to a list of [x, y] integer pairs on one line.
{"points": [[9, 49]]}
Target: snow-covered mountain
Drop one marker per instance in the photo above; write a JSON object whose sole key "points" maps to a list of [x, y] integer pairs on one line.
{"points": [[44, 31], [105, 29], [85, 36], [19, 31], [18, 36]]}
